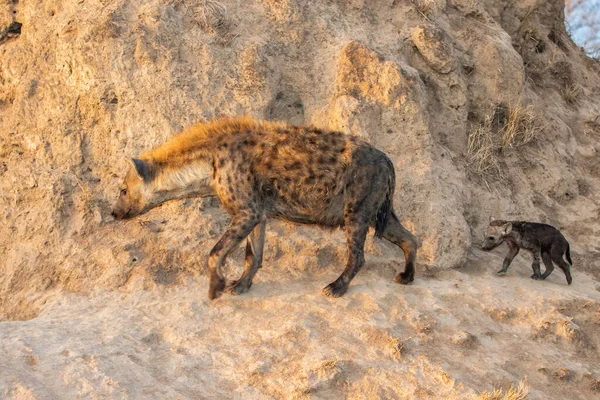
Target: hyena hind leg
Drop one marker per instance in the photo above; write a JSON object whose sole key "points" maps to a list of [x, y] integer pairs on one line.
{"points": [[548, 263], [356, 233], [254, 255], [400, 236]]}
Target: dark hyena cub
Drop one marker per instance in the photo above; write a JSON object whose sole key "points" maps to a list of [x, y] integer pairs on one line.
{"points": [[262, 169], [543, 241]]}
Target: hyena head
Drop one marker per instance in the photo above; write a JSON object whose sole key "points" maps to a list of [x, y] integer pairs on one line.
{"points": [[495, 234], [136, 196]]}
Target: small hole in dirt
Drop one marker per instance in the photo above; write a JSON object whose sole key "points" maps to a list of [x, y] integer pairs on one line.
{"points": [[134, 259], [15, 28], [540, 47]]}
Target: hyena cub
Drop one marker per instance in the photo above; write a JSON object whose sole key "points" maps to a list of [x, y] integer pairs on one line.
{"points": [[543, 241], [270, 169]]}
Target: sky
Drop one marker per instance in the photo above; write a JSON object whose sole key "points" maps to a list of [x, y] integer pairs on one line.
{"points": [[583, 23]]}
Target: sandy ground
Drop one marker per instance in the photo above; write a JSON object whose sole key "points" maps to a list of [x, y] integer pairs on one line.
{"points": [[453, 336]]}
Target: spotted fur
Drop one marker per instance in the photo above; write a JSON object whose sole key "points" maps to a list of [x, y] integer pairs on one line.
{"points": [[261, 169]]}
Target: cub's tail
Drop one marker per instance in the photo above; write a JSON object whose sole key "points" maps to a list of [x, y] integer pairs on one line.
{"points": [[569, 254]]}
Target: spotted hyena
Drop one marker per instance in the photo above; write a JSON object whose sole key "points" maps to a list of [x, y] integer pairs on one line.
{"points": [[543, 241], [261, 169]]}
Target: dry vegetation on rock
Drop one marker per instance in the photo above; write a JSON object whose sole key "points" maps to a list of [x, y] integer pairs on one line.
{"points": [[502, 129]]}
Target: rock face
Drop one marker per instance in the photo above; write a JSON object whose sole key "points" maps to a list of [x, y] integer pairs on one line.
{"points": [[84, 85]]}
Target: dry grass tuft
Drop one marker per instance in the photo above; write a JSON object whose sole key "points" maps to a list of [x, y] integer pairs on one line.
{"points": [[521, 127], [481, 151], [503, 129], [397, 348], [592, 124], [518, 393], [424, 7], [211, 12], [571, 94], [211, 16]]}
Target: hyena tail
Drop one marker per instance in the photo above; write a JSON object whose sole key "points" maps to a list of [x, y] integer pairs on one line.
{"points": [[383, 216], [569, 254], [386, 208]]}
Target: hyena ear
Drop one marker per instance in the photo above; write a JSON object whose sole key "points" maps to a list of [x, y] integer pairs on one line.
{"points": [[507, 228], [492, 218], [142, 169]]}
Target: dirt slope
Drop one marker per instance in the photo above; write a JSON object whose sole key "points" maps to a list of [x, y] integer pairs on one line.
{"points": [[485, 107]]}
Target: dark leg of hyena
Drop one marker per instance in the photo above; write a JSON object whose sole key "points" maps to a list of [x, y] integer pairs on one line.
{"points": [[357, 227], [254, 255], [557, 256], [537, 274], [397, 234], [548, 263], [240, 227], [512, 252], [364, 196]]}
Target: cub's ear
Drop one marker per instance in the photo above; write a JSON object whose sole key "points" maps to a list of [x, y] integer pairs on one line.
{"points": [[507, 229], [492, 218], [142, 169]]}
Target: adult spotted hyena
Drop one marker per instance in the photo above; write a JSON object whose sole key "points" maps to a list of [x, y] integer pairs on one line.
{"points": [[261, 169], [543, 241]]}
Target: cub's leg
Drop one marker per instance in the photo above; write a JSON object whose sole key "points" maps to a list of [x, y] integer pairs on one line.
{"points": [[512, 252], [548, 263], [537, 274], [557, 257]]}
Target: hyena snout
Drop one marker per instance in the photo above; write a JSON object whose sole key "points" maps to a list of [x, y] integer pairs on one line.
{"points": [[117, 214], [490, 244], [123, 213]]}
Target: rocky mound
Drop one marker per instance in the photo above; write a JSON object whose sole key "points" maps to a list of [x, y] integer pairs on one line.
{"points": [[486, 107]]}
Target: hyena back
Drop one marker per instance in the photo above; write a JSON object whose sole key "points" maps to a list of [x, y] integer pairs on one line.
{"points": [[544, 241], [262, 169]]}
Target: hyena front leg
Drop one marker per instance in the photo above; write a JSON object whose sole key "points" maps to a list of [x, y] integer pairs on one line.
{"points": [[537, 274], [356, 233], [241, 225], [548, 263], [254, 255], [512, 252]]}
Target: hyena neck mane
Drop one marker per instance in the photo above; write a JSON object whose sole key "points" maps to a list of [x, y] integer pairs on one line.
{"points": [[201, 140], [182, 166], [188, 180]]}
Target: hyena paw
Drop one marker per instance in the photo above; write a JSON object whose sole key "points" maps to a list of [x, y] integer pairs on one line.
{"points": [[501, 272], [404, 278], [335, 289], [215, 288], [238, 287], [536, 277]]}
